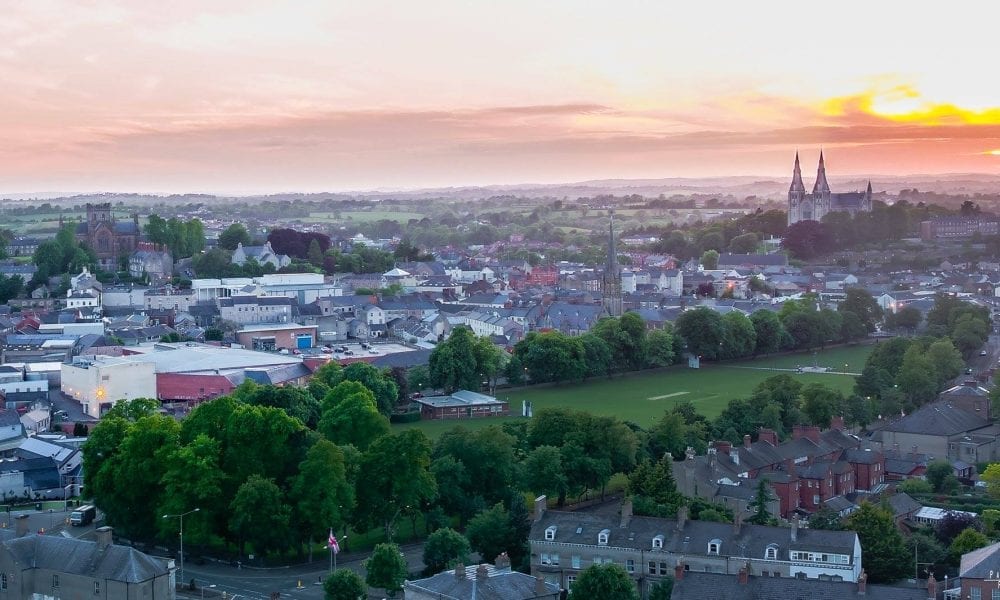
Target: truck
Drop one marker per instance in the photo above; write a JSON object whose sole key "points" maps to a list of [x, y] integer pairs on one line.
{"points": [[83, 515]]}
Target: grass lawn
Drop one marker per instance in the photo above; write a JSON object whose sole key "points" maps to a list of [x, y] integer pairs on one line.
{"points": [[642, 398]]}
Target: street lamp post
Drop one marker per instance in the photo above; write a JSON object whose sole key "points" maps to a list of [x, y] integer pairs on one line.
{"points": [[181, 518]]}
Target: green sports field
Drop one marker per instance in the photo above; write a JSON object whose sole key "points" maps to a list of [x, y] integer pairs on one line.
{"points": [[643, 397]]}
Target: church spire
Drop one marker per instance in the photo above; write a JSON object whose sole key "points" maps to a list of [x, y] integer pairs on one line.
{"points": [[612, 280], [869, 187], [821, 184], [612, 251], [797, 185]]}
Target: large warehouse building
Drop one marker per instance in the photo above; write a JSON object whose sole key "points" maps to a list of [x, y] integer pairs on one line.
{"points": [[183, 371]]}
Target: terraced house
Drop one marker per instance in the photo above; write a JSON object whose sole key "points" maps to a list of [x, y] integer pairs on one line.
{"points": [[563, 544]]}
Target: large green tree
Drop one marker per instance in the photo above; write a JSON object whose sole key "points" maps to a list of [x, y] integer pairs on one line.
{"points": [[343, 584], [260, 516], [860, 302], [386, 569], [491, 532], [321, 493], [396, 479], [884, 554], [444, 548], [452, 363], [194, 479], [703, 332], [233, 236], [605, 581], [353, 419], [770, 334]]}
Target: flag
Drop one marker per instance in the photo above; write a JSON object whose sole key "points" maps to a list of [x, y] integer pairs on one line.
{"points": [[332, 544]]}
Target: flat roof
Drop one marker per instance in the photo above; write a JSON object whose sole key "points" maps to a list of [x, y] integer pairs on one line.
{"points": [[274, 327], [186, 357], [458, 399]]}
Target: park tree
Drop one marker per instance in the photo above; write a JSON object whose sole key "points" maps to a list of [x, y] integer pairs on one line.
{"points": [[193, 478], [396, 479], [654, 490], [916, 378], [769, 334], [377, 380], [233, 236], [488, 457], [860, 302], [386, 569], [907, 318], [452, 363], [343, 584], [597, 356], [261, 440], [820, 404], [884, 554], [551, 356], [490, 532], [543, 472], [946, 360], [740, 337], [659, 349], [807, 239], [321, 493], [260, 501], [295, 401], [353, 419], [605, 581], [444, 548], [703, 332], [851, 327]]}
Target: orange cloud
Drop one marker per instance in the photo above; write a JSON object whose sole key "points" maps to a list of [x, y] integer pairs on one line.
{"points": [[905, 104]]}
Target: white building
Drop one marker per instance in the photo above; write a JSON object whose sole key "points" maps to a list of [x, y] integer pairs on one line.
{"points": [[96, 383]]}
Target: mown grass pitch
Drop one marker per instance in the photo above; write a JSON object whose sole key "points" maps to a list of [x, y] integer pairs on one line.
{"points": [[642, 398]]}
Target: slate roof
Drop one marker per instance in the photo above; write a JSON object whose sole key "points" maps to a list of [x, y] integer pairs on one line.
{"points": [[751, 541], [903, 504], [81, 557], [938, 418], [701, 586], [498, 585], [776, 260], [981, 564]]}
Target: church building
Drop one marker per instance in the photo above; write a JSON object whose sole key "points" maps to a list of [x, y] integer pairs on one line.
{"points": [[108, 237], [611, 284], [814, 206]]}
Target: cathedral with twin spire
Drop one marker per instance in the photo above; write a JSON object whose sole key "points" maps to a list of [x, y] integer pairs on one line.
{"points": [[814, 206]]}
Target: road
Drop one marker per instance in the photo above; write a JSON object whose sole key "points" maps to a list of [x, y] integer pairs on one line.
{"points": [[258, 584]]}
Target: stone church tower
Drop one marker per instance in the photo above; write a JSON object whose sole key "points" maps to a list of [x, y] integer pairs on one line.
{"points": [[611, 287]]}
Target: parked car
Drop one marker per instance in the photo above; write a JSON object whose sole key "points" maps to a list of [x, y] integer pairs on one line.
{"points": [[983, 353]]}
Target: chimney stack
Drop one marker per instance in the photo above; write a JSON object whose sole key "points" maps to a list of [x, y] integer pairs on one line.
{"points": [[931, 587], [541, 503], [768, 435], [502, 562], [863, 584], [103, 537], [837, 423], [459, 571], [21, 525], [682, 516], [737, 522], [482, 573], [626, 513], [724, 446], [540, 588], [914, 454], [744, 575], [679, 571], [795, 528], [746, 441]]}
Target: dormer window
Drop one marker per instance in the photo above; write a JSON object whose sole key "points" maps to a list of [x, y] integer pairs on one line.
{"points": [[714, 546], [602, 537], [658, 542], [771, 552], [550, 533]]}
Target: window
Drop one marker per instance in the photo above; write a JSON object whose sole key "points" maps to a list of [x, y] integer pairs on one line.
{"points": [[3, 581], [663, 568], [771, 553], [550, 533], [713, 546], [555, 559], [815, 499], [658, 542], [652, 568], [602, 537], [630, 565], [977, 594], [574, 561], [996, 594], [545, 560], [55, 582], [97, 588], [570, 580]]}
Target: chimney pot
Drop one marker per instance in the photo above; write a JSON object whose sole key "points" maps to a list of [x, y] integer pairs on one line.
{"points": [[540, 588], [679, 571], [459, 571], [502, 561], [482, 573], [746, 441], [744, 576]]}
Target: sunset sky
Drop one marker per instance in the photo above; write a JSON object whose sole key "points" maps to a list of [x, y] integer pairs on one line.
{"points": [[245, 96]]}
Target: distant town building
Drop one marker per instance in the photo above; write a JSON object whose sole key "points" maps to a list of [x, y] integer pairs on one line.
{"points": [[264, 255], [463, 404], [814, 206], [958, 227]]}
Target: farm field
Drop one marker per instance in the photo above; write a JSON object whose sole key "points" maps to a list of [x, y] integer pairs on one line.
{"points": [[642, 398], [363, 216]]}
